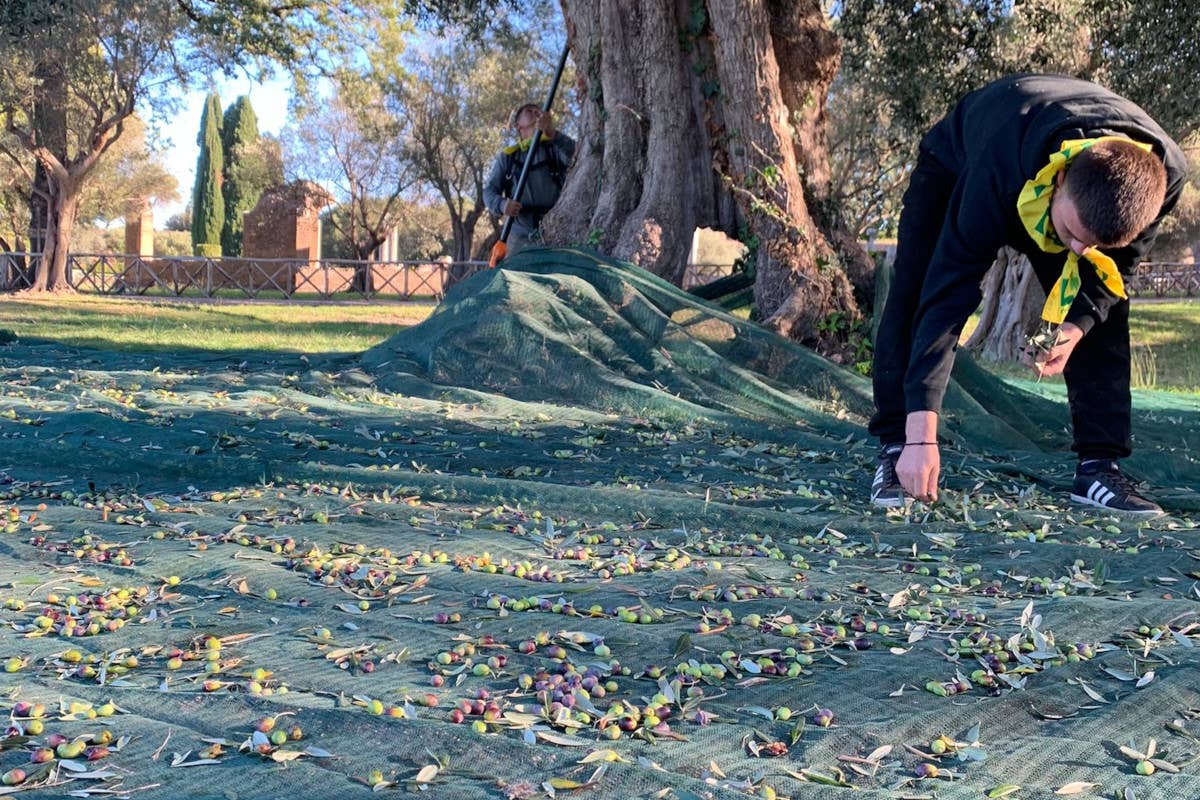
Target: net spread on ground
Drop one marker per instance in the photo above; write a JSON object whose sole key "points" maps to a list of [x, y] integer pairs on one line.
{"points": [[579, 533]]}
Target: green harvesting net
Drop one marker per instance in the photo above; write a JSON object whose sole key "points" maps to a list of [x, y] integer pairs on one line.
{"points": [[577, 534]]}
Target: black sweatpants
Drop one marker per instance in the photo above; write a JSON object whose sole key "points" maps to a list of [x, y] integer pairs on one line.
{"points": [[1097, 374]]}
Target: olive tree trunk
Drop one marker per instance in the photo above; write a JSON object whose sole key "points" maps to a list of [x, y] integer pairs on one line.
{"points": [[55, 201], [1011, 310], [62, 207], [710, 113]]}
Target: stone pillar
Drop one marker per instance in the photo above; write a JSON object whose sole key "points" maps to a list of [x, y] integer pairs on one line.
{"points": [[139, 233], [308, 232]]}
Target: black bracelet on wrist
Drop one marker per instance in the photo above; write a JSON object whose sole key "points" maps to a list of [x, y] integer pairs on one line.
{"points": [[919, 444]]}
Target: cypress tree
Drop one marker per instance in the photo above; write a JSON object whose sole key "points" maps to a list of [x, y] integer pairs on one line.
{"points": [[239, 135], [208, 206]]}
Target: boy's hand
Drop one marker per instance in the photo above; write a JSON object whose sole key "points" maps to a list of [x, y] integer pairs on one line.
{"points": [[1054, 360], [546, 123], [918, 469], [919, 464]]}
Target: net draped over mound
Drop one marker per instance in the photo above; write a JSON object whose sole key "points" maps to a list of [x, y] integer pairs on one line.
{"points": [[614, 508]]}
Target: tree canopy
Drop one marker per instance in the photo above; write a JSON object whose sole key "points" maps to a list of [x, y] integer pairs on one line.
{"points": [[422, 117], [129, 174], [350, 142], [73, 71], [422, 231]]}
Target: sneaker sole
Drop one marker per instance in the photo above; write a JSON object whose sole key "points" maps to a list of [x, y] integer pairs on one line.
{"points": [[1087, 501]]}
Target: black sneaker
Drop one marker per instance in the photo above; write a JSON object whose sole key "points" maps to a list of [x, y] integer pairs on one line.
{"points": [[1100, 482], [886, 490]]}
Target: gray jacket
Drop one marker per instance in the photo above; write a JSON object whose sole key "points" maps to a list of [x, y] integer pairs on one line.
{"points": [[542, 185]]}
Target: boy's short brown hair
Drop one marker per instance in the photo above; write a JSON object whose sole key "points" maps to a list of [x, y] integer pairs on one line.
{"points": [[1118, 190]]}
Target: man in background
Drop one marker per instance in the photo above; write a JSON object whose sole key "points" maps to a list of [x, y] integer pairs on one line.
{"points": [[544, 182]]}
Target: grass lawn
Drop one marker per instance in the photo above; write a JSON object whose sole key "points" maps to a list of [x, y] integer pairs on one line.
{"points": [[1166, 347], [1170, 331], [138, 325]]}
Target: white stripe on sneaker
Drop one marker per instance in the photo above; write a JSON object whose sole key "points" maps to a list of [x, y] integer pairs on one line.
{"points": [[1100, 494]]}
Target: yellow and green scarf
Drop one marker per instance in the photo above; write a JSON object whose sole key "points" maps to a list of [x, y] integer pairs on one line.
{"points": [[522, 146], [1033, 205]]}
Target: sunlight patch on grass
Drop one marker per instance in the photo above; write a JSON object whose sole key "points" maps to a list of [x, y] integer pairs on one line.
{"points": [[131, 325]]}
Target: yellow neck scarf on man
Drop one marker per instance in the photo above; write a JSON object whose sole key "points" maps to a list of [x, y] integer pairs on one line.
{"points": [[521, 145], [1033, 205]]}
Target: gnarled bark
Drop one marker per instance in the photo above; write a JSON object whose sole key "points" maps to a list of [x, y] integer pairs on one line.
{"points": [[1012, 304], [809, 54], [685, 124]]}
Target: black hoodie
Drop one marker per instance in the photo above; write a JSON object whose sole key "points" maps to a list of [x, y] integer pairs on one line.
{"points": [[994, 140]]}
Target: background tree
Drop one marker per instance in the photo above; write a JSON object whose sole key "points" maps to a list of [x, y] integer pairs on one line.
{"points": [[422, 230], [208, 200], [869, 163], [42, 87], [352, 144], [946, 48], [172, 243], [943, 49], [455, 98], [99, 239], [1147, 50], [181, 222], [72, 72], [239, 142], [127, 176], [1179, 236], [258, 166], [16, 178]]}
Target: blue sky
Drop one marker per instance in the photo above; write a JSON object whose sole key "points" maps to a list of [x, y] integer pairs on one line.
{"points": [[270, 101]]}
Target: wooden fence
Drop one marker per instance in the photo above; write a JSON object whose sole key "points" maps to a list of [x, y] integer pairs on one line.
{"points": [[394, 280], [244, 277], [1164, 279]]}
